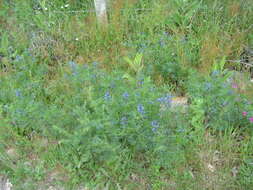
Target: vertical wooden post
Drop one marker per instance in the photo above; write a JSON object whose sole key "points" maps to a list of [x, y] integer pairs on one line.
{"points": [[100, 6]]}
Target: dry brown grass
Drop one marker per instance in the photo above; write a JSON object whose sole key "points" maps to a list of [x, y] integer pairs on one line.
{"points": [[216, 45], [234, 8], [218, 159], [210, 50]]}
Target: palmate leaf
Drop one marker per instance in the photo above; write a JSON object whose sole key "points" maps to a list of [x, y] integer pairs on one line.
{"points": [[135, 64]]}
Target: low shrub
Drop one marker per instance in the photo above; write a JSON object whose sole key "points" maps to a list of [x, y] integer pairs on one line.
{"points": [[223, 106], [98, 119]]}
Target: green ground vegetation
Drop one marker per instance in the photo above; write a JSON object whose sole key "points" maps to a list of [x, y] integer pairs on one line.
{"points": [[92, 107]]}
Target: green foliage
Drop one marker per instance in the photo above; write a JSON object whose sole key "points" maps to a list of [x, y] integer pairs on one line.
{"points": [[219, 66], [4, 44], [98, 119], [114, 123], [222, 105], [136, 64]]}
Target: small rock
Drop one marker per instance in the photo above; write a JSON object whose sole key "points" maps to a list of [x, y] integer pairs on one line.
{"points": [[179, 104], [234, 171], [179, 101], [211, 167], [12, 153]]}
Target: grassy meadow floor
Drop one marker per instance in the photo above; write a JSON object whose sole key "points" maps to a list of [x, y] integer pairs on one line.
{"points": [[89, 107]]}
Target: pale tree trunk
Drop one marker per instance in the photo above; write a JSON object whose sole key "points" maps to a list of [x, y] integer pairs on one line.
{"points": [[5, 184], [100, 6]]}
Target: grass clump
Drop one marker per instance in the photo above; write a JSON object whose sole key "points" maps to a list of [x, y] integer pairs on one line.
{"points": [[88, 107]]}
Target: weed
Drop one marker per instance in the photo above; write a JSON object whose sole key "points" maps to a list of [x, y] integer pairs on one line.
{"points": [[92, 107]]}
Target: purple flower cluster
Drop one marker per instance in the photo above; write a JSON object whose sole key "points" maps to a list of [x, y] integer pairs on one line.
{"points": [[235, 86], [250, 118], [208, 86]]}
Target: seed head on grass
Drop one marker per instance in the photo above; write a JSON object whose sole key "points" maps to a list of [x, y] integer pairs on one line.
{"points": [[165, 100]]}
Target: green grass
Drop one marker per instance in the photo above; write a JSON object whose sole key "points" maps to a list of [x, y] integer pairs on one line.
{"points": [[93, 107]]}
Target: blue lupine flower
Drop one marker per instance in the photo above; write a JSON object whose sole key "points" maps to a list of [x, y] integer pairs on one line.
{"points": [[160, 99], [18, 58], [141, 82], [125, 95], [73, 67], [123, 120], [165, 33], [95, 64], [165, 100], [94, 76], [155, 125], [140, 109], [215, 73], [208, 86], [18, 93], [151, 102], [107, 96]]}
